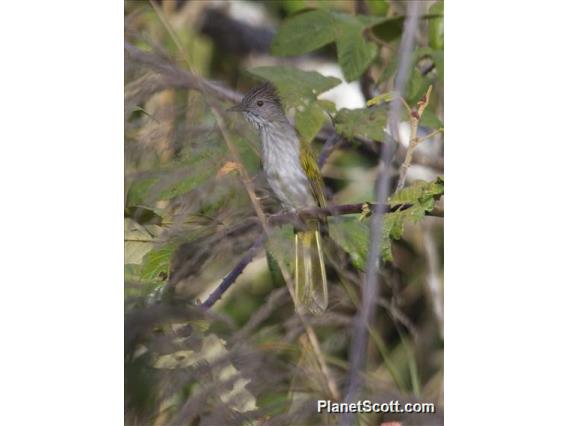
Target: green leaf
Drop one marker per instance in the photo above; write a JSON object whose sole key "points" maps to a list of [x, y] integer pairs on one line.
{"points": [[436, 26], [353, 236], [327, 106], [281, 246], [363, 21], [418, 192], [183, 185], [139, 189], [293, 6], [180, 177], [309, 120], [274, 269], [296, 86], [137, 111], [304, 32], [143, 215], [385, 97], [393, 227], [364, 122], [311, 30], [354, 54], [438, 57], [195, 169], [155, 265], [378, 7], [431, 120], [417, 86], [389, 29], [422, 197]]}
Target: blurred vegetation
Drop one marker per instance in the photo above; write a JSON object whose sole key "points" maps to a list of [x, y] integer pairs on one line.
{"points": [[189, 220]]}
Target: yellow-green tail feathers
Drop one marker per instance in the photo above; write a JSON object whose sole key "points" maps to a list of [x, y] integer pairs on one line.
{"points": [[310, 279]]}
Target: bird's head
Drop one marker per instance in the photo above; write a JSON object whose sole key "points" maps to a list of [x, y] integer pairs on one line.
{"points": [[261, 106]]}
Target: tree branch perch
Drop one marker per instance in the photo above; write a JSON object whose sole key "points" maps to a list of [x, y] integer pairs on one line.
{"points": [[297, 218]]}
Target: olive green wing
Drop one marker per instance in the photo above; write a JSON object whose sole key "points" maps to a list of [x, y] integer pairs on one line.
{"points": [[310, 166]]}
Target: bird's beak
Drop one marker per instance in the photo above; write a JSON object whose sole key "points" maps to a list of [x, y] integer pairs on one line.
{"points": [[236, 108]]}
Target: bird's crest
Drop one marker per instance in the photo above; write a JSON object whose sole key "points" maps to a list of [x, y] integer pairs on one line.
{"points": [[266, 90]]}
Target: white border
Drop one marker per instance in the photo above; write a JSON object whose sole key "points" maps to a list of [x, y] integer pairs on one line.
{"points": [[61, 210], [505, 204]]}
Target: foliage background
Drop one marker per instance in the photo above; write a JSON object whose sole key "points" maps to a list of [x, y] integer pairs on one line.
{"points": [[189, 219]]}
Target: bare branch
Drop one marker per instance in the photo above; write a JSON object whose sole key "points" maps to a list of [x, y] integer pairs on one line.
{"points": [[431, 134], [339, 210], [415, 116], [174, 76], [234, 274], [332, 142]]}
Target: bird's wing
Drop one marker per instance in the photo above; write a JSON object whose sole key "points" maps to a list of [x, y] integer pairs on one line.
{"points": [[310, 166]]}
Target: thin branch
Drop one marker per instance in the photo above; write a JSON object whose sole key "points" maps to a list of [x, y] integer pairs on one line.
{"points": [[177, 77], [431, 134], [234, 274], [405, 104], [370, 289], [332, 142], [415, 117], [342, 209]]}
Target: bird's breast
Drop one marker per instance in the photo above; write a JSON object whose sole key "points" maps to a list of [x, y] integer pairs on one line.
{"points": [[284, 171]]}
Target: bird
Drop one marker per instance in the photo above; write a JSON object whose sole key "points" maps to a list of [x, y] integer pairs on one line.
{"points": [[293, 175]]}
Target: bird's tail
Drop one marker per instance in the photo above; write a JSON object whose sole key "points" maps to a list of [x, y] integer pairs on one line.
{"points": [[310, 279]]}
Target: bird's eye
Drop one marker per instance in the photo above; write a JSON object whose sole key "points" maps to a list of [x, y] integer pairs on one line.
{"points": [[259, 103]]}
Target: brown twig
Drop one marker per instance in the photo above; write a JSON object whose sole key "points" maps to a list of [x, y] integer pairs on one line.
{"points": [[415, 116], [339, 210], [234, 274], [177, 77], [332, 142], [430, 135]]}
